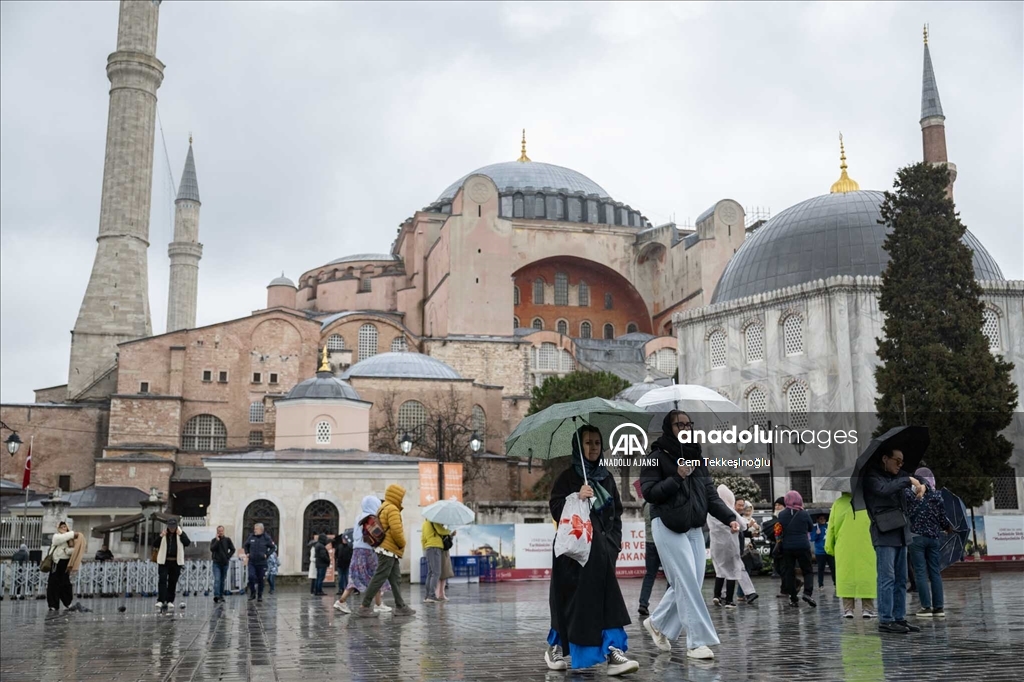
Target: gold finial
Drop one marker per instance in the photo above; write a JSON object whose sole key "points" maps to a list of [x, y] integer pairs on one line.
{"points": [[926, 34], [523, 158], [325, 364], [844, 183]]}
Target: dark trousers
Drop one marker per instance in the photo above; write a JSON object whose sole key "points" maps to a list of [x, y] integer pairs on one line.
{"points": [[58, 588], [652, 564], [730, 589], [388, 569], [790, 559], [256, 573], [167, 584], [270, 581], [220, 574], [826, 560], [342, 579], [321, 573]]}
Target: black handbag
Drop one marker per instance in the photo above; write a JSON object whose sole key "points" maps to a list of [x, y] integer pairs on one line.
{"points": [[447, 542], [890, 519]]}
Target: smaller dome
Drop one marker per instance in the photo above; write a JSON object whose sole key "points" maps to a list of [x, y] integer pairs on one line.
{"points": [[323, 386], [281, 281], [360, 257], [403, 365]]}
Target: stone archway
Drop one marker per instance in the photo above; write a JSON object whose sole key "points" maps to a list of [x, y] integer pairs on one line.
{"points": [[321, 516], [265, 512]]}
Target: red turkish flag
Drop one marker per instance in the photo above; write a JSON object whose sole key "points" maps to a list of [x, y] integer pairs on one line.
{"points": [[28, 468]]}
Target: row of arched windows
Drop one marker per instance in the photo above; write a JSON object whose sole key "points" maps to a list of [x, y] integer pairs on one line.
{"points": [[797, 404], [754, 341], [367, 342], [561, 294], [586, 329]]}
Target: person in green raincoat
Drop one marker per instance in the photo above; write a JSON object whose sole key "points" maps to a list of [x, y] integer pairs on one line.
{"points": [[849, 540]]}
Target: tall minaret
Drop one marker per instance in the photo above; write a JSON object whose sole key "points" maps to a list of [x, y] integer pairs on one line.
{"points": [[116, 303], [933, 123], [185, 251]]}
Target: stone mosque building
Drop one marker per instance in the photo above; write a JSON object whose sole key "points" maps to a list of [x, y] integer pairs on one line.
{"points": [[515, 272]]}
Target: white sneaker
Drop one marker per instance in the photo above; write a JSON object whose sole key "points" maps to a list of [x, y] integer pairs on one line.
{"points": [[554, 659], [159, 605], [181, 605], [660, 640], [618, 664], [383, 608], [848, 613], [342, 607], [700, 653], [867, 613]]}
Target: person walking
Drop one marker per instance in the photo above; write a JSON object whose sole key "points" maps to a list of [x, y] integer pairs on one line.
{"points": [[748, 554], [818, 533], [432, 537], [681, 496], [311, 569], [652, 564], [364, 560], [19, 561], [588, 613], [796, 548], [342, 560], [169, 558], [273, 565], [928, 523], [884, 486], [848, 540], [66, 550], [322, 561], [725, 556], [389, 554], [258, 547], [221, 551]]}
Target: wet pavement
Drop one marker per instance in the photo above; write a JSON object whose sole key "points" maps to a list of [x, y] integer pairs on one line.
{"points": [[496, 632]]}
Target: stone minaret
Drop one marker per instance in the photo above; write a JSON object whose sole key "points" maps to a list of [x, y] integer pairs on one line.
{"points": [[933, 123], [116, 304], [185, 251]]}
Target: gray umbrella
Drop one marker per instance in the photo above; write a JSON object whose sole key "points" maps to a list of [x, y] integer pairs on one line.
{"points": [[838, 480]]}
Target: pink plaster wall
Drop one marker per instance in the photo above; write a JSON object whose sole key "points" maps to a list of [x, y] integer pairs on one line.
{"points": [[297, 420]]}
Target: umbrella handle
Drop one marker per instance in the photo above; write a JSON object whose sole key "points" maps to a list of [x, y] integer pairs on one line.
{"points": [[579, 446]]}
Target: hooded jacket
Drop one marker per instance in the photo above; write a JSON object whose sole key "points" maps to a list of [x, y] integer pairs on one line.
{"points": [[725, 550], [21, 555], [390, 515], [323, 557], [369, 507]]}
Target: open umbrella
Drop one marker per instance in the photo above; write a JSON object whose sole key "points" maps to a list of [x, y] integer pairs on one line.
{"points": [[449, 513], [838, 480], [952, 549], [912, 441], [687, 396]]}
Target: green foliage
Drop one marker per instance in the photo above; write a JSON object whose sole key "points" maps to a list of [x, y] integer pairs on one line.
{"points": [[934, 355], [741, 486]]}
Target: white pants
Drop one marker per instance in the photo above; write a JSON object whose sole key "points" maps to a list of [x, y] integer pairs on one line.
{"points": [[684, 559]]}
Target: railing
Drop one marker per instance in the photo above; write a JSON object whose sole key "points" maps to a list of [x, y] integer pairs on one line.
{"points": [[15, 530], [192, 521], [117, 579]]}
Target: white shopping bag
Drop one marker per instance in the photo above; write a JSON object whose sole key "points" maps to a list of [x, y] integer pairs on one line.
{"points": [[575, 531]]}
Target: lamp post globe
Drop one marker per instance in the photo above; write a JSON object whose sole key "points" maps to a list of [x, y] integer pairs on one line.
{"points": [[405, 443], [13, 443], [475, 443]]}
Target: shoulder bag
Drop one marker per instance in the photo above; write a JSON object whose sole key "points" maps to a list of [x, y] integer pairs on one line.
{"points": [[46, 565], [890, 519]]}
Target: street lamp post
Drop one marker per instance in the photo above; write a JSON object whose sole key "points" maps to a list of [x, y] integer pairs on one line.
{"points": [[799, 445], [13, 443], [440, 432]]}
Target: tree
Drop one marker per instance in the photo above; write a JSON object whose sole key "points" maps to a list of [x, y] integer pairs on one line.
{"points": [[573, 386], [935, 359], [741, 486]]}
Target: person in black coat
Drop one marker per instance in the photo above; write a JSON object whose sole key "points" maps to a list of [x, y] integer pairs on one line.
{"points": [[588, 614], [323, 561], [342, 560], [796, 548], [682, 495]]}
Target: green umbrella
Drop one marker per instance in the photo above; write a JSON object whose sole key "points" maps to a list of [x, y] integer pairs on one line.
{"points": [[548, 434]]}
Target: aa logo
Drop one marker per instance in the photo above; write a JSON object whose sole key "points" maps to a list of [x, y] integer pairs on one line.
{"points": [[628, 440]]}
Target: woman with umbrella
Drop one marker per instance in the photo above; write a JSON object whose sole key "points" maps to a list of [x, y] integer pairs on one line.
{"points": [[928, 523], [588, 614]]}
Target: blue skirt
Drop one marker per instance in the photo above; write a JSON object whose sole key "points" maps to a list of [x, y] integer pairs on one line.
{"points": [[588, 656]]}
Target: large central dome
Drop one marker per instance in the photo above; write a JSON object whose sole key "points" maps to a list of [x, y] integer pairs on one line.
{"points": [[519, 175]]}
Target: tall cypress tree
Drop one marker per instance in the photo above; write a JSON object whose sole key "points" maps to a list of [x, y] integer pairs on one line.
{"points": [[936, 362]]}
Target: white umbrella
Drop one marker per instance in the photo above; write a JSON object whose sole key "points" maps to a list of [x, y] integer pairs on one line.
{"points": [[672, 396], [449, 513]]}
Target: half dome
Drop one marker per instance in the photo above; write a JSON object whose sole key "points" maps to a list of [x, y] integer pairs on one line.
{"points": [[403, 365]]}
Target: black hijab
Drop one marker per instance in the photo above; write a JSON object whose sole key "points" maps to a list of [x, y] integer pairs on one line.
{"points": [[670, 444]]}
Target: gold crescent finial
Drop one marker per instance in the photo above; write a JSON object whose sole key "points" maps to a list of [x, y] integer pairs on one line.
{"points": [[523, 158], [845, 183], [325, 364], [926, 34]]}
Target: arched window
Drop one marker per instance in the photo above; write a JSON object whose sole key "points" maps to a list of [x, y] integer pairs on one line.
{"points": [[757, 406], [797, 403], [256, 412], [515, 323], [990, 328], [753, 337], [538, 291], [265, 512], [538, 206], [323, 433], [562, 326], [566, 362], [793, 335], [411, 415], [517, 205], [479, 421], [575, 205], [584, 294], [547, 358], [631, 328], [335, 342], [204, 432], [609, 331], [663, 360], [399, 345], [608, 301], [537, 323], [561, 288], [716, 349], [321, 516], [367, 341], [585, 330], [515, 295]]}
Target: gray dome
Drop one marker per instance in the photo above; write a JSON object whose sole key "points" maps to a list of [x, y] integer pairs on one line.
{"points": [[403, 365], [324, 385], [360, 257], [281, 281], [829, 235], [520, 175]]}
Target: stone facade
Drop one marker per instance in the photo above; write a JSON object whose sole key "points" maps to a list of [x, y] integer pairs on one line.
{"points": [[185, 252]]}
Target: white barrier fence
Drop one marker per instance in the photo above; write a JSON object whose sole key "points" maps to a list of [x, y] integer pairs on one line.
{"points": [[118, 579], [15, 530]]}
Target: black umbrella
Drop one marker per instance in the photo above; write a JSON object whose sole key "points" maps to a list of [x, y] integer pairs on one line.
{"points": [[838, 480], [912, 441], [952, 549]]}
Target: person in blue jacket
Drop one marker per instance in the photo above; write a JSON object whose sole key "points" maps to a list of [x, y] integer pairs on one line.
{"points": [[818, 538]]}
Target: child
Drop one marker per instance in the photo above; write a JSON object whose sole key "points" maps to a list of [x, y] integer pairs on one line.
{"points": [[273, 563]]}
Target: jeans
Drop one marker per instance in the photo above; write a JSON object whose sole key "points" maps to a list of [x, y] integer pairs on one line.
{"points": [[271, 579], [826, 560], [433, 570], [653, 563], [790, 559], [220, 574], [256, 573], [388, 569], [891, 564], [683, 557], [924, 555], [342, 579], [321, 573]]}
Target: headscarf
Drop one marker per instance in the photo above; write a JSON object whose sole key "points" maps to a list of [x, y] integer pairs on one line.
{"points": [[727, 496], [925, 474], [670, 444], [595, 471], [794, 501], [369, 507]]}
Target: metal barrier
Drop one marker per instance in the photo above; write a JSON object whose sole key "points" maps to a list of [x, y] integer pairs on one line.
{"points": [[15, 530], [118, 579]]}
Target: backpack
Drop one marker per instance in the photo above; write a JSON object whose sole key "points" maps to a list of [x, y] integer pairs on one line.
{"points": [[373, 532]]}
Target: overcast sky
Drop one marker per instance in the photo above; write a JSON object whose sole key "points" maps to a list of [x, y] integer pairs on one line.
{"points": [[320, 127]]}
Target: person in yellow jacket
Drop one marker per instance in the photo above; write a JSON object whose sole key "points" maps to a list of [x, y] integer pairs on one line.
{"points": [[432, 538], [389, 555], [848, 539]]}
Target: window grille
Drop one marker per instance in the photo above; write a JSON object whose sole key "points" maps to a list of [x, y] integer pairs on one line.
{"points": [[399, 345], [585, 330], [335, 342], [563, 327], [367, 341], [548, 357], [411, 414], [256, 412], [479, 421], [609, 331], [255, 438], [537, 323], [757, 406], [716, 349], [608, 301], [323, 433], [800, 481], [204, 432], [796, 399], [584, 295], [538, 291], [990, 328], [561, 288], [754, 337], [793, 335], [1005, 491], [515, 295]]}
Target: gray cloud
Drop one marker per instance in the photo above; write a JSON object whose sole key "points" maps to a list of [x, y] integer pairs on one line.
{"points": [[320, 127]]}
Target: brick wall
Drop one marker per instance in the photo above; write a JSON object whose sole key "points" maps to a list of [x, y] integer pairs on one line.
{"points": [[141, 475], [145, 419], [67, 441]]}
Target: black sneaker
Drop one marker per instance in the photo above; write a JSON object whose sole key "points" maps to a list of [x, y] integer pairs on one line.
{"points": [[642, 611], [807, 598], [751, 598], [794, 603], [896, 628], [938, 613], [908, 626], [259, 598]]}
